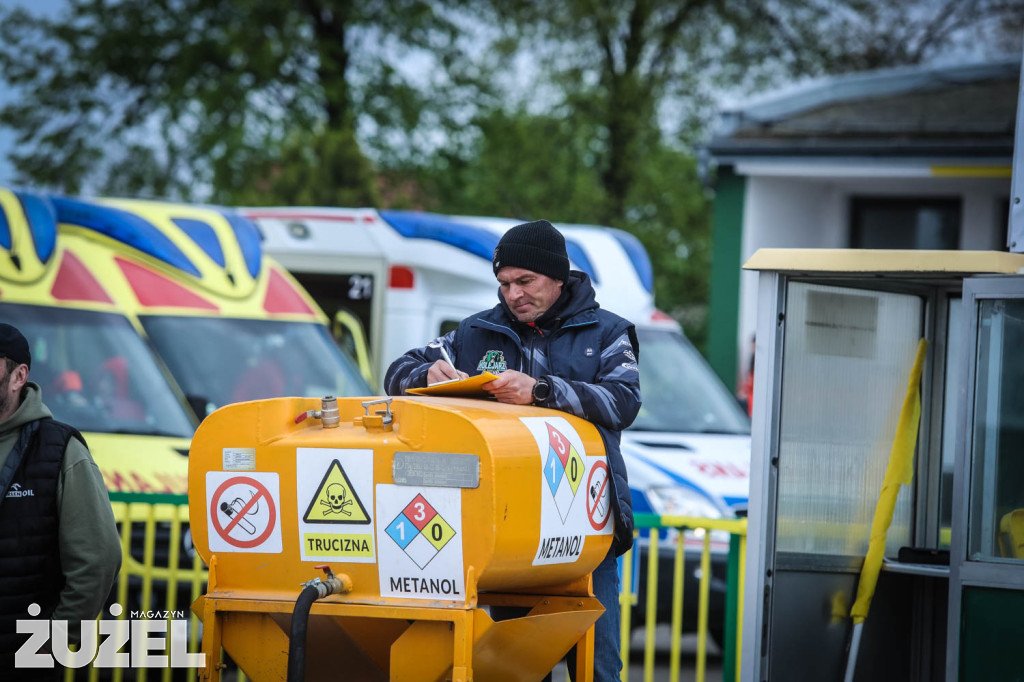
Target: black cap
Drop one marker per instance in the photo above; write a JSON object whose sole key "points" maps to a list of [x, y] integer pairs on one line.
{"points": [[13, 345], [535, 246]]}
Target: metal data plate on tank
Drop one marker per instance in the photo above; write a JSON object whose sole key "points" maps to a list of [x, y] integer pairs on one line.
{"points": [[436, 469]]}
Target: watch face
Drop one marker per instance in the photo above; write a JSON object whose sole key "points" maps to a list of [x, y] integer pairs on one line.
{"points": [[541, 390]]}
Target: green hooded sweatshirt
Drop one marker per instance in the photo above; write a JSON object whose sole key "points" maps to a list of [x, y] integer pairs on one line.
{"points": [[90, 548]]}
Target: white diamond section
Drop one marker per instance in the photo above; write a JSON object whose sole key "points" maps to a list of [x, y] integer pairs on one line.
{"points": [[564, 498], [421, 551]]}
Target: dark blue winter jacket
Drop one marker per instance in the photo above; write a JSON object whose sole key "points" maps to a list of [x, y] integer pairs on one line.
{"points": [[589, 356]]}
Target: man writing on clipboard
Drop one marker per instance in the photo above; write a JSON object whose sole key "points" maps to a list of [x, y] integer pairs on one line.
{"points": [[551, 345]]}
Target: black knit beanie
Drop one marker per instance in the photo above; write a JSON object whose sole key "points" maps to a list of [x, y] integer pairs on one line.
{"points": [[14, 346], [535, 246]]}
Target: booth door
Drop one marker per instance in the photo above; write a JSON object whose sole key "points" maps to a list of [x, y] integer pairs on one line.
{"points": [[986, 598]]}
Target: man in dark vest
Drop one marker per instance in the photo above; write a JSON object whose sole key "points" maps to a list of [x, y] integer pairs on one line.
{"points": [[59, 546], [552, 346]]}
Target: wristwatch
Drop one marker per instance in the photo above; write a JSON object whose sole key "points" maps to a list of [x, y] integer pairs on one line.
{"points": [[541, 391]]}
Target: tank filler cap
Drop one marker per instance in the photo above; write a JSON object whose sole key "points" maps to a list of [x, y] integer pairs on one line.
{"points": [[379, 418]]}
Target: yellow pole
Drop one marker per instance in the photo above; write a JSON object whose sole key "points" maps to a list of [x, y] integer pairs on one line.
{"points": [[677, 606], [900, 471], [652, 606], [702, 606], [126, 567], [739, 603], [626, 608]]}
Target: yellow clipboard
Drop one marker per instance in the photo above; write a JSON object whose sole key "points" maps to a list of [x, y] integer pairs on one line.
{"points": [[463, 388]]}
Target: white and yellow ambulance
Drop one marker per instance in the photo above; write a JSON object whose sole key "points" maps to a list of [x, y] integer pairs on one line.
{"points": [[144, 316]]}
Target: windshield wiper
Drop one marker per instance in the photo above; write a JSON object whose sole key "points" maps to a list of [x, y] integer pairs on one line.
{"points": [[153, 432]]}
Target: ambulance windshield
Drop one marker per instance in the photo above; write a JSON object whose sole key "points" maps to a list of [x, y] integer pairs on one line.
{"points": [[220, 360], [681, 393], [96, 373]]}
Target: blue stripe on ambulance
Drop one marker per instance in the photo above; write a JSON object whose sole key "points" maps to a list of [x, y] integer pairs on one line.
{"points": [[5, 231], [637, 256], [579, 257], [42, 223], [469, 238], [248, 236], [676, 478], [125, 227], [203, 234]]}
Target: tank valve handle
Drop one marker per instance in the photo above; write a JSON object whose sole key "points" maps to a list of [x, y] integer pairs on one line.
{"points": [[332, 584], [328, 413], [386, 415], [311, 591]]}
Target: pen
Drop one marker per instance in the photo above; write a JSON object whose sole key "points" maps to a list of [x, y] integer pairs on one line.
{"points": [[444, 354]]}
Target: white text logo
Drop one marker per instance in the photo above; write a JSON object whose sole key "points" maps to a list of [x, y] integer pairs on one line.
{"points": [[103, 639]]}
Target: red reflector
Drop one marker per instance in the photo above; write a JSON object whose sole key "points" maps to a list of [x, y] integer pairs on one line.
{"points": [[153, 289], [401, 277], [658, 316], [74, 282], [282, 297]]}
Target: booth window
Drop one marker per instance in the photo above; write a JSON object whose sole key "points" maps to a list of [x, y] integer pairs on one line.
{"points": [[847, 359], [951, 380], [996, 525], [898, 223]]}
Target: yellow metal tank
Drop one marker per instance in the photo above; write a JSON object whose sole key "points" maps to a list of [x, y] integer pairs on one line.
{"points": [[425, 507]]}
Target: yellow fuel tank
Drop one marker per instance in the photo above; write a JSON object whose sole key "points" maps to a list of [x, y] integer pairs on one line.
{"points": [[419, 502]]}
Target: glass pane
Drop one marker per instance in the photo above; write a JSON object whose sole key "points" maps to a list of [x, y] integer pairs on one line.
{"points": [[252, 359], [954, 338], [846, 362], [996, 522], [97, 373], [681, 392], [898, 223]]}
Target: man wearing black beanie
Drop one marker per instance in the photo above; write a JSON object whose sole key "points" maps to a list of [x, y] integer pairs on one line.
{"points": [[551, 345]]}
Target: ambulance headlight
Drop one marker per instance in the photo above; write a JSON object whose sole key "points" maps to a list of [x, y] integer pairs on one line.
{"points": [[681, 502]]}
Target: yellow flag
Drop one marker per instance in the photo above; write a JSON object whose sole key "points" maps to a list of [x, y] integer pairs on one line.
{"points": [[900, 471]]}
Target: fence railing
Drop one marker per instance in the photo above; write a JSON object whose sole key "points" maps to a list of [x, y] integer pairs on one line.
{"points": [[655, 524], [156, 577]]}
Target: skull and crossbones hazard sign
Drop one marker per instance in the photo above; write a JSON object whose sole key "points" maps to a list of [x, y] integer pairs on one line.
{"points": [[335, 500], [334, 496]]}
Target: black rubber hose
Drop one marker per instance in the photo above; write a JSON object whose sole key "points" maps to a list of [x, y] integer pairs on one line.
{"points": [[297, 640]]}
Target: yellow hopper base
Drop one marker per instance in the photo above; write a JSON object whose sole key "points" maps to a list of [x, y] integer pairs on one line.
{"points": [[400, 643]]}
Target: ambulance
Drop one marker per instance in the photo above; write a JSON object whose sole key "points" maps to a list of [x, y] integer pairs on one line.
{"points": [[96, 372], [228, 322], [402, 278], [143, 317]]}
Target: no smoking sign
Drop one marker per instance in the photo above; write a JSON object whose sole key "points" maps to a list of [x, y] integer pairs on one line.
{"points": [[243, 512], [599, 499]]}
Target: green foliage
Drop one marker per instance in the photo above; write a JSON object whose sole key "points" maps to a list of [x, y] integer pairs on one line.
{"points": [[203, 98], [545, 166], [577, 111], [522, 166]]}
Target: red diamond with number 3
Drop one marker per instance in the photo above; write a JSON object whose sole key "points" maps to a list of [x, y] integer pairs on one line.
{"points": [[559, 444], [419, 512]]}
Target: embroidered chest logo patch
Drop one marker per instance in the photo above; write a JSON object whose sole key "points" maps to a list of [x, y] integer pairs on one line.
{"points": [[493, 361]]}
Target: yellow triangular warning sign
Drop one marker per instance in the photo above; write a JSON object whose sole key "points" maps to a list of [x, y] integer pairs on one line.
{"points": [[335, 500]]}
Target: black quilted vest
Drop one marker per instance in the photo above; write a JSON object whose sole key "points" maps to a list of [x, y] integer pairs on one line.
{"points": [[29, 552]]}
